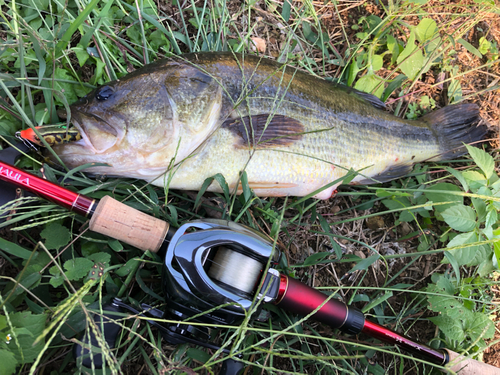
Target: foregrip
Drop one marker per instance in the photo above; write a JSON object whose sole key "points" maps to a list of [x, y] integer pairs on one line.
{"points": [[117, 220]]}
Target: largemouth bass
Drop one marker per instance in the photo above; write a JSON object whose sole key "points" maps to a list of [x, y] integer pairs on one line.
{"points": [[182, 120]]}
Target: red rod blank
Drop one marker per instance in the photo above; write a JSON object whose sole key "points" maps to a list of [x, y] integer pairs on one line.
{"points": [[61, 196]]}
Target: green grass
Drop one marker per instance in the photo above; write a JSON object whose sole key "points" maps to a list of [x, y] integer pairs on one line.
{"points": [[54, 52]]}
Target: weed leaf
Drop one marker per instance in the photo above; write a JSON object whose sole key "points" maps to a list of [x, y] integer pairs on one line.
{"points": [[469, 255], [426, 30], [56, 236], [34, 323], [435, 196], [450, 327], [480, 327], [77, 268], [411, 60], [483, 160], [460, 217], [8, 362], [370, 83], [459, 177]]}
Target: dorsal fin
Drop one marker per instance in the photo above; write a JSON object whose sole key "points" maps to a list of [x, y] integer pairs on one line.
{"points": [[265, 130], [371, 99]]}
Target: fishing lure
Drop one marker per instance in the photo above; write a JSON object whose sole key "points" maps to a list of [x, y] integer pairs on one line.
{"points": [[52, 134]]}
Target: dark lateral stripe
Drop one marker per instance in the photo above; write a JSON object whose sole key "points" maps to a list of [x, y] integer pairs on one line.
{"points": [[265, 130]]}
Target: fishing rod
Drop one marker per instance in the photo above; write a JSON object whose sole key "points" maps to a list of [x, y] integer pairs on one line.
{"points": [[203, 270]]}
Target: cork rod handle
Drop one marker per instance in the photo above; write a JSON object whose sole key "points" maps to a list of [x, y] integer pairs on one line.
{"points": [[117, 220], [468, 366]]}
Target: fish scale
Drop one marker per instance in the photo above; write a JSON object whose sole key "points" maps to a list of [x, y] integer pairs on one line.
{"points": [[209, 113]]}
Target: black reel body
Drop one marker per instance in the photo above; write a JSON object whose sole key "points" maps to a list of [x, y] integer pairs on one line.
{"points": [[210, 263]]}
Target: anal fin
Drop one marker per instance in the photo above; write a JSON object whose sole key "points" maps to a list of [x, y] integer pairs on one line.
{"points": [[388, 174]]}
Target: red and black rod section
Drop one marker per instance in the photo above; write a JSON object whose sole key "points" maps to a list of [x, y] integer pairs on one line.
{"points": [[107, 215], [301, 299]]}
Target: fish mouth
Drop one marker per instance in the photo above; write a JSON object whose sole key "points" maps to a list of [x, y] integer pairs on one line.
{"points": [[97, 136]]}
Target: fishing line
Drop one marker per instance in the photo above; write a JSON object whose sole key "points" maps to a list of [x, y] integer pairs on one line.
{"points": [[235, 269]]}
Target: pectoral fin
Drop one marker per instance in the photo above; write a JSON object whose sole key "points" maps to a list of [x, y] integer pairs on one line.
{"points": [[264, 130]]}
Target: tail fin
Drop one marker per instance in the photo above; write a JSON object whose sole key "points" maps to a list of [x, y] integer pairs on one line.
{"points": [[455, 125]]}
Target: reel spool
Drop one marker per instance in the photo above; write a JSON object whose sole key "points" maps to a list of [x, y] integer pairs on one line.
{"points": [[215, 262], [235, 270]]}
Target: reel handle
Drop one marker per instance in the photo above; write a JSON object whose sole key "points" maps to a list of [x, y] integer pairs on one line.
{"points": [[90, 351]]}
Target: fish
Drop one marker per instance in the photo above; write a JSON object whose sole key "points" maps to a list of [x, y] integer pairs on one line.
{"points": [[184, 119]]}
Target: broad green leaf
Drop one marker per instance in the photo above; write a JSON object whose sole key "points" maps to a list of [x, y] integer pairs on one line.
{"points": [[115, 245], [480, 207], [35, 324], [354, 69], [483, 160], [455, 93], [377, 62], [56, 236], [484, 45], [479, 326], [370, 83], [394, 47], [285, 12], [485, 268], [68, 89], [158, 39], [458, 175], [461, 218], [89, 248], [475, 179], [100, 258], [411, 60], [450, 327], [456, 268], [491, 216], [81, 54], [56, 281], [8, 361], [77, 268], [469, 255], [426, 29], [441, 196]]}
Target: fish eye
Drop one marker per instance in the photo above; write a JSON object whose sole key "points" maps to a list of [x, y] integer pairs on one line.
{"points": [[104, 93]]}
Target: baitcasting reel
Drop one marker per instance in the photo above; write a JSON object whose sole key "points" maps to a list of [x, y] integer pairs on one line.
{"points": [[208, 263], [215, 262]]}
